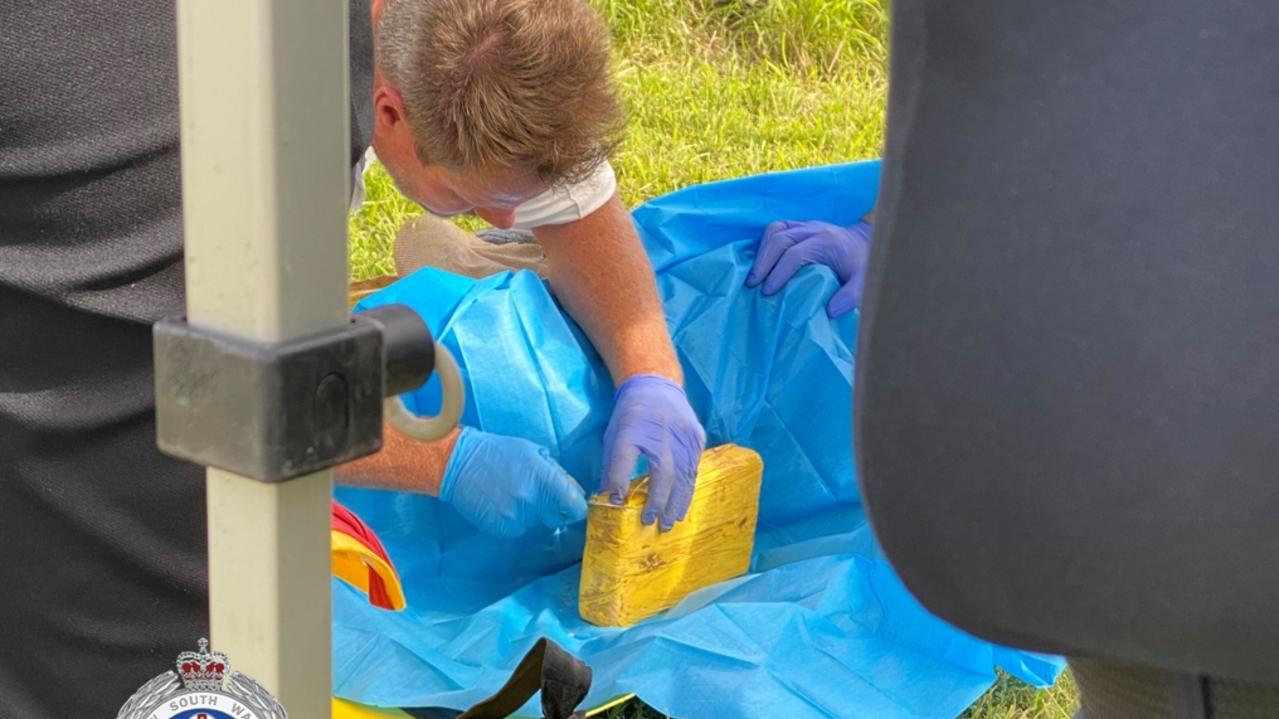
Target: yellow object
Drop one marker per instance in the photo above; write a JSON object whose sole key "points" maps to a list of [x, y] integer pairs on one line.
{"points": [[352, 561], [631, 572], [343, 709]]}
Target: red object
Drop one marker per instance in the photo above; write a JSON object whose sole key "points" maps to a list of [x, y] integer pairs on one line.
{"points": [[345, 521]]}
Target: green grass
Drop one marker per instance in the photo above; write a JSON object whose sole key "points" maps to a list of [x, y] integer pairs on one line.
{"points": [[1013, 699], [726, 88]]}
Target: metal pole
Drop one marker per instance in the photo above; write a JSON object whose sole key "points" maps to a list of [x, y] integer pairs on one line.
{"points": [[265, 172]]}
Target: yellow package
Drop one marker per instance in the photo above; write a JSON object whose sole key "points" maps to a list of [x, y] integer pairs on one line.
{"points": [[631, 572]]}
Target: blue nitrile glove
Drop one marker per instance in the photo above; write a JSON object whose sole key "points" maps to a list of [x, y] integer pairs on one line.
{"points": [[505, 485], [651, 416], [788, 246]]}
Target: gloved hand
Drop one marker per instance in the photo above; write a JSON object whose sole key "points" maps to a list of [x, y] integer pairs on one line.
{"points": [[788, 246], [505, 485], [651, 415]]}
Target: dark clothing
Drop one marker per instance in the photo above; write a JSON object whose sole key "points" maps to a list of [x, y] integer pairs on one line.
{"points": [[104, 577], [1068, 390], [1115, 691]]}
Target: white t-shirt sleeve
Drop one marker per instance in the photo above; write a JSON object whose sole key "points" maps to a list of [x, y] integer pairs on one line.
{"points": [[568, 203], [357, 180]]}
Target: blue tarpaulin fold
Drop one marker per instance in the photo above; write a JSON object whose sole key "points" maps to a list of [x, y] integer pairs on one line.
{"points": [[821, 627]]}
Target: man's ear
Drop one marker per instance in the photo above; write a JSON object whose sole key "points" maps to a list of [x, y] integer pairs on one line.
{"points": [[388, 107]]}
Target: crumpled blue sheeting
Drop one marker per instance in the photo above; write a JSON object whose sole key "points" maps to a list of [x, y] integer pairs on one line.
{"points": [[822, 627]]}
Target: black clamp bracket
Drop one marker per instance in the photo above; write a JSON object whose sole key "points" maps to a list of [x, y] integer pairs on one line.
{"points": [[278, 411]]}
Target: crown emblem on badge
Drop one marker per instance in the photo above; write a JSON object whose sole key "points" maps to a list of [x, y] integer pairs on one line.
{"points": [[194, 688], [202, 670]]}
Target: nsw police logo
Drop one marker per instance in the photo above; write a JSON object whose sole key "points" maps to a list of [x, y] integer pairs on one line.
{"points": [[202, 687]]}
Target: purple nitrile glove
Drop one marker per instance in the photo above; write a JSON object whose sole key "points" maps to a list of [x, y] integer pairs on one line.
{"points": [[508, 485], [788, 246], [651, 416]]}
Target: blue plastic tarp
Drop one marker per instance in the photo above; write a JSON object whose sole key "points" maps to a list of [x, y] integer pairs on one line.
{"points": [[821, 627]]}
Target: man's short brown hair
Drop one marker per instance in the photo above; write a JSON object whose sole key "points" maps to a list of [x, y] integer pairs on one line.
{"points": [[523, 84]]}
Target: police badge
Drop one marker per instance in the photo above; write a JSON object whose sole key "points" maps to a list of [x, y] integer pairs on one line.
{"points": [[202, 686]]}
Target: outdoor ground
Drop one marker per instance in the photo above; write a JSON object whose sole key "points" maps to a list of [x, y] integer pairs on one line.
{"points": [[725, 88]]}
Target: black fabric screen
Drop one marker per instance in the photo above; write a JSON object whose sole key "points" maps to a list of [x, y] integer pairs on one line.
{"points": [[1068, 375], [103, 576]]}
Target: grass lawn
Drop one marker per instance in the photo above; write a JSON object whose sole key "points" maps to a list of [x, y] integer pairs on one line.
{"points": [[725, 88]]}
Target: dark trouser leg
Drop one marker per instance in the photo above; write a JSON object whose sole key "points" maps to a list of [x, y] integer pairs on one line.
{"points": [[1116, 691]]}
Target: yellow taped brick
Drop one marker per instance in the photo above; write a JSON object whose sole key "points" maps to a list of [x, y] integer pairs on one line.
{"points": [[631, 572]]}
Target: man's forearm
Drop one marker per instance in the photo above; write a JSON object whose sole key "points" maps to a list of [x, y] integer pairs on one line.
{"points": [[601, 274], [404, 465]]}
